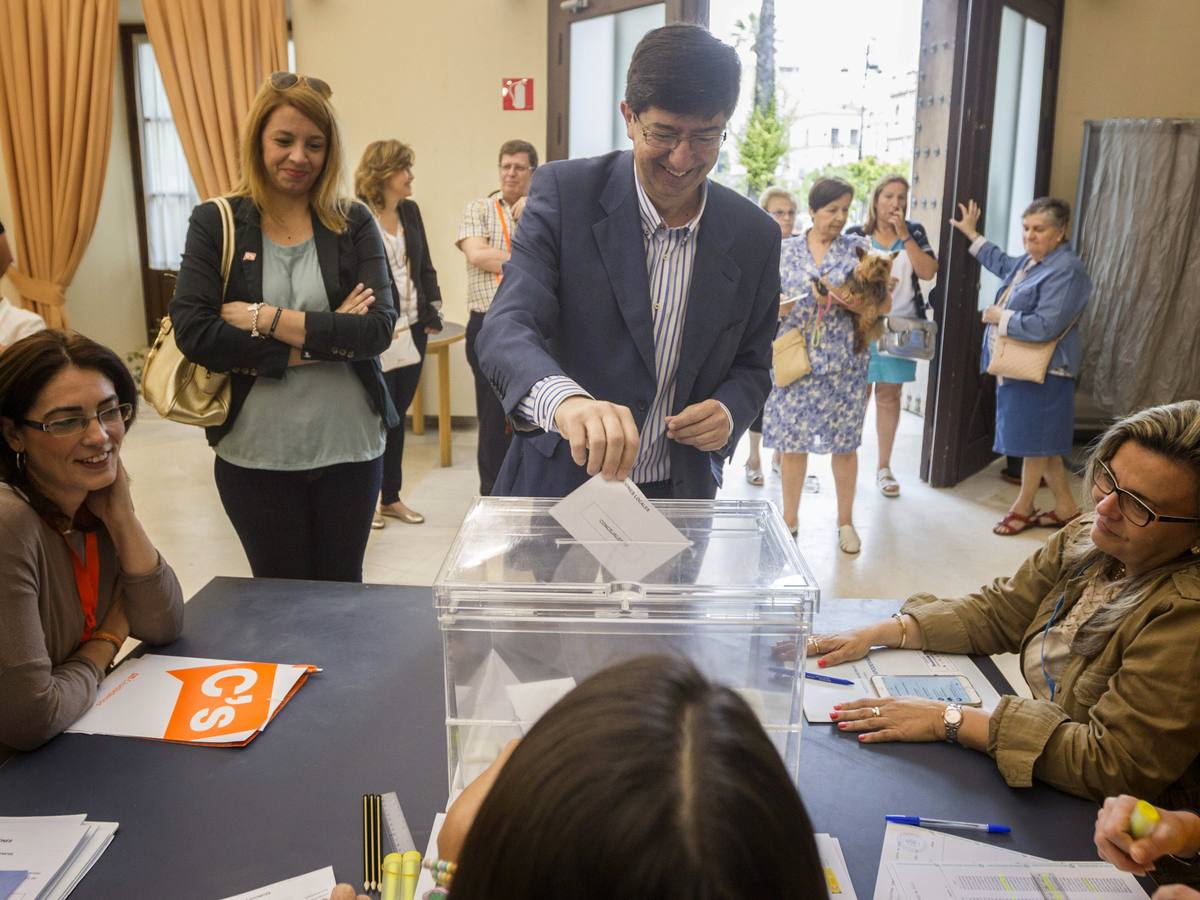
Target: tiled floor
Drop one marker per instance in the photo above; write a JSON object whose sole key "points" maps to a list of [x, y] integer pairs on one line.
{"points": [[926, 540]]}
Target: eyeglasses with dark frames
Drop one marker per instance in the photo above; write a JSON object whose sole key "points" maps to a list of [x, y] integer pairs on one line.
{"points": [[1132, 506], [108, 418], [669, 140], [282, 81]]}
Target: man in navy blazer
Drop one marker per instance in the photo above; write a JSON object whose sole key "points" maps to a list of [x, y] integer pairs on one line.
{"points": [[631, 334]]}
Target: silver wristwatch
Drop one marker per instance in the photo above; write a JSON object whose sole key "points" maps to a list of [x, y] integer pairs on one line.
{"points": [[952, 718]]}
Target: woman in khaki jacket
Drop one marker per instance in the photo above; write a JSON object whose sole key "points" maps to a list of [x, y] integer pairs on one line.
{"points": [[1106, 618]]}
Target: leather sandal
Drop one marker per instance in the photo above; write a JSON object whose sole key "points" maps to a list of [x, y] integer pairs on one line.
{"points": [[1006, 526], [754, 475], [848, 541], [1050, 519]]}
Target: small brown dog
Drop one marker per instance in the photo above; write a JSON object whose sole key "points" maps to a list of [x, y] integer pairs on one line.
{"points": [[866, 293]]}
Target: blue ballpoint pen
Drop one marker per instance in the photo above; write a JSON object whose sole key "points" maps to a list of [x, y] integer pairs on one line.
{"points": [[946, 823], [828, 679]]}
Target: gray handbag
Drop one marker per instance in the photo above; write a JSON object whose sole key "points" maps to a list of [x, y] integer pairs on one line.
{"points": [[908, 338]]}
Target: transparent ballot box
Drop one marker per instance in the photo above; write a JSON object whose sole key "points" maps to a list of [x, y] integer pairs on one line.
{"points": [[527, 612]]}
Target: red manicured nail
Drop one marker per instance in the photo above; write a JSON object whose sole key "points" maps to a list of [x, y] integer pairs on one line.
{"points": [[833, 716], [837, 706], [841, 724], [821, 663], [862, 737]]}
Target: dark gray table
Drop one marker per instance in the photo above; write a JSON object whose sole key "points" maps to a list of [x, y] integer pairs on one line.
{"points": [[207, 822]]}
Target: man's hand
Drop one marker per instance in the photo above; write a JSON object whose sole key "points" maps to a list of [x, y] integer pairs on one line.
{"points": [[602, 435], [704, 425], [517, 209]]}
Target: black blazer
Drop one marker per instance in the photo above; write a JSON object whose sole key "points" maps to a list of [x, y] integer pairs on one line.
{"points": [[356, 255], [424, 275]]}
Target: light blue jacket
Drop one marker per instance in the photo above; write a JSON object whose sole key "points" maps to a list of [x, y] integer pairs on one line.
{"points": [[1046, 301]]}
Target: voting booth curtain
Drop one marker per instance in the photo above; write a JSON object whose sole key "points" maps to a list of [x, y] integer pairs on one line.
{"points": [[213, 56], [56, 92], [1140, 242]]}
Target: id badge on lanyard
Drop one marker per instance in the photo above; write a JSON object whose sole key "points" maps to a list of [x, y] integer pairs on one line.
{"points": [[87, 580], [507, 237]]}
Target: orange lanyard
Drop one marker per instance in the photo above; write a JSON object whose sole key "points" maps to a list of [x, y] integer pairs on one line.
{"points": [[507, 238], [87, 581]]}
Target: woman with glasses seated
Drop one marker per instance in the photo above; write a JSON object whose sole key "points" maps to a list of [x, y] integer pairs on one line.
{"points": [[1106, 619], [79, 574], [300, 325]]}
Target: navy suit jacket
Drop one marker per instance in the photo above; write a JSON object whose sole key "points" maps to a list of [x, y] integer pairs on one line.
{"points": [[575, 301]]}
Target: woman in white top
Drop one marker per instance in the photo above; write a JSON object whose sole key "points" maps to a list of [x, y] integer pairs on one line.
{"points": [[383, 181]]}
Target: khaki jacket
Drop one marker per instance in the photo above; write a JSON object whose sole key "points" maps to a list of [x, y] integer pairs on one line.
{"points": [[1125, 721]]}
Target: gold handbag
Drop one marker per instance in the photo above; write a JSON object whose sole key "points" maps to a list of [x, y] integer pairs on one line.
{"points": [[181, 390], [789, 357]]}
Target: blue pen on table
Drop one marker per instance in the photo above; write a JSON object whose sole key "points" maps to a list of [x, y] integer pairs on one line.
{"points": [[947, 823], [828, 679]]}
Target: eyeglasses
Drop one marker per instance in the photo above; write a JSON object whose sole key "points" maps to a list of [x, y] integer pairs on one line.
{"points": [[518, 168], [109, 419], [282, 81], [1132, 507], [669, 140]]}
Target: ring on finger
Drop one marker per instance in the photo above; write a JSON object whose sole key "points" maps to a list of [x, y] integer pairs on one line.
{"points": [[875, 712]]}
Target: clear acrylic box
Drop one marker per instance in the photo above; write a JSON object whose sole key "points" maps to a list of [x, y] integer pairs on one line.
{"points": [[526, 612]]}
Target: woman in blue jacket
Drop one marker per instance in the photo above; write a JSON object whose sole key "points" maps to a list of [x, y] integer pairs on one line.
{"points": [[1042, 295]]}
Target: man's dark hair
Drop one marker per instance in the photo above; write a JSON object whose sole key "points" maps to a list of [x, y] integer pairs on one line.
{"points": [[683, 69], [510, 148], [647, 780]]}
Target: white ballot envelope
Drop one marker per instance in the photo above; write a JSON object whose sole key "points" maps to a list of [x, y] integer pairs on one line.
{"points": [[619, 527]]}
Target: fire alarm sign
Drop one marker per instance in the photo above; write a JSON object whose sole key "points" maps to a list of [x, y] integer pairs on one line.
{"points": [[517, 93]]}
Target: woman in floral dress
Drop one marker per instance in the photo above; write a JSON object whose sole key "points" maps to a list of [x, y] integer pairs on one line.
{"points": [[821, 412]]}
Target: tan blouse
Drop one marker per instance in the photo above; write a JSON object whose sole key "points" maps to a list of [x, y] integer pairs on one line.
{"points": [[43, 689]]}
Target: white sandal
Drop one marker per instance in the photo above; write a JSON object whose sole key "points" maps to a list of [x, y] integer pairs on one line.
{"points": [[887, 483], [754, 475], [848, 539]]}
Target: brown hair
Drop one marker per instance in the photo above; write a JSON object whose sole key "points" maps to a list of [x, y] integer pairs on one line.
{"points": [[825, 190], [511, 148], [26, 367], [327, 196], [1171, 431], [872, 222], [645, 781], [380, 161], [683, 69]]}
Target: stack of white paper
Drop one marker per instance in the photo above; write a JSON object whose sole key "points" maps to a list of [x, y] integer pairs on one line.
{"points": [[54, 851], [310, 886]]}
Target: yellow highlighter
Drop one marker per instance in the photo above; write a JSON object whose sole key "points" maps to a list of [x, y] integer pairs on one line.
{"points": [[1143, 821], [410, 871], [393, 866]]}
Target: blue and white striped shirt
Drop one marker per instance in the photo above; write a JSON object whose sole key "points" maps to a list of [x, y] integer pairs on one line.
{"points": [[670, 254]]}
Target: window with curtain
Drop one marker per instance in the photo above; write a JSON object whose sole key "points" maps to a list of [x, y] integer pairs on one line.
{"points": [[169, 193]]}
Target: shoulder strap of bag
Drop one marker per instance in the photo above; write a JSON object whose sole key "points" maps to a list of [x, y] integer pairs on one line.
{"points": [[227, 233]]}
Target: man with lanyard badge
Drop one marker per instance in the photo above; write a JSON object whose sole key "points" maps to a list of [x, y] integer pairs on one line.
{"points": [[485, 238]]}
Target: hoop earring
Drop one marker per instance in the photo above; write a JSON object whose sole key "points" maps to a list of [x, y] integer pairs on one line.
{"points": [[20, 460]]}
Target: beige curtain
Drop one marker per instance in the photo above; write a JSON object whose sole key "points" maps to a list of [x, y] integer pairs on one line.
{"points": [[56, 90], [213, 55]]}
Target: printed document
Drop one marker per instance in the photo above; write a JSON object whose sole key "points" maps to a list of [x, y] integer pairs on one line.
{"points": [[833, 864], [1028, 881], [820, 697], [52, 852], [313, 886], [911, 844], [620, 527], [216, 702]]}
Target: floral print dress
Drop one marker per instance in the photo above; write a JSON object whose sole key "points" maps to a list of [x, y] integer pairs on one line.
{"points": [[821, 412]]}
